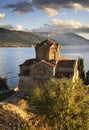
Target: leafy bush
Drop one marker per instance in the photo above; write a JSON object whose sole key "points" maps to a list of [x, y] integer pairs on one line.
{"points": [[87, 78], [65, 105], [3, 84], [81, 68]]}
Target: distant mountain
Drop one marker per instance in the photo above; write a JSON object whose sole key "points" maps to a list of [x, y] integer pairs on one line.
{"points": [[67, 38], [12, 38]]}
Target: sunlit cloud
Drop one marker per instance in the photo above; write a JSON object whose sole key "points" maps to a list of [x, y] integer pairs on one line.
{"points": [[66, 24], [50, 11], [58, 25], [51, 7], [16, 27], [2, 15], [77, 6]]}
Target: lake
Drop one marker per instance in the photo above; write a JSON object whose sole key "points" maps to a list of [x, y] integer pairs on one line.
{"points": [[11, 58]]}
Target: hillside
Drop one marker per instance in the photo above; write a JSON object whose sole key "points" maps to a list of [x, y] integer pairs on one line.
{"points": [[12, 38], [72, 39], [67, 38], [11, 117]]}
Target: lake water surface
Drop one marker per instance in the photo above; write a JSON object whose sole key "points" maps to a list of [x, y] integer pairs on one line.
{"points": [[11, 58]]}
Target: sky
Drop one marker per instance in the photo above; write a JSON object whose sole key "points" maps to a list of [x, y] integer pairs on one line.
{"points": [[62, 16]]}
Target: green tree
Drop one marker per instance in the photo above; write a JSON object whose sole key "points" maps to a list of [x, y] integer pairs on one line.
{"points": [[81, 69], [65, 105], [3, 84], [87, 78]]}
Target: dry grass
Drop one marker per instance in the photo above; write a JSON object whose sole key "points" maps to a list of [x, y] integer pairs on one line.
{"points": [[14, 117], [11, 117]]}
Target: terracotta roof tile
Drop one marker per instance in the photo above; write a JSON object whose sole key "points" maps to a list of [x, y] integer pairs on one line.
{"points": [[48, 62], [29, 62], [66, 63], [62, 74], [47, 42]]}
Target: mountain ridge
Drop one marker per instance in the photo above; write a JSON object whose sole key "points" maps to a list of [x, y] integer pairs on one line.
{"points": [[13, 38]]}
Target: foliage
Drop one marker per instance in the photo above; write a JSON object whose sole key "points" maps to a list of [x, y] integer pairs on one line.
{"points": [[14, 38], [3, 84], [87, 78], [65, 105], [81, 69]]}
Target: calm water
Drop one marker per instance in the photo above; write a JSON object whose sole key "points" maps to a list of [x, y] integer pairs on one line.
{"points": [[11, 58]]}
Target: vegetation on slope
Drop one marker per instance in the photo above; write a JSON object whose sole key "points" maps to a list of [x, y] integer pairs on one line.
{"points": [[82, 75], [12, 38], [3, 84], [11, 117], [62, 105], [4, 89]]}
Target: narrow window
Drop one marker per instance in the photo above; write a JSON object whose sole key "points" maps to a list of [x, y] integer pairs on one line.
{"points": [[53, 55]]}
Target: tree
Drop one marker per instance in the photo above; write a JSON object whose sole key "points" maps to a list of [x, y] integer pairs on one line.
{"points": [[3, 84], [87, 78], [81, 69], [65, 105]]}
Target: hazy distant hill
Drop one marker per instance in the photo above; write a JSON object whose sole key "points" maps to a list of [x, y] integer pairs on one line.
{"points": [[71, 39], [68, 38], [12, 38]]}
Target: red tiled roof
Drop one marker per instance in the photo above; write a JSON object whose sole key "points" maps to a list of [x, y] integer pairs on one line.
{"points": [[47, 42], [48, 62], [29, 62], [62, 74], [66, 63], [33, 61]]}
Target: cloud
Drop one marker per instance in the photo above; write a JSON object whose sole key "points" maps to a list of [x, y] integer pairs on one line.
{"points": [[60, 26], [50, 11], [2, 15], [51, 7], [16, 27], [20, 7], [66, 24], [9, 26], [59, 4], [77, 6]]}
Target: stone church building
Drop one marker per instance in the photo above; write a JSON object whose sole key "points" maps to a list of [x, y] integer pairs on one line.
{"points": [[47, 64]]}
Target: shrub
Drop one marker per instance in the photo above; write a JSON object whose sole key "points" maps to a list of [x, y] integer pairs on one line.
{"points": [[81, 69], [3, 84], [65, 105]]}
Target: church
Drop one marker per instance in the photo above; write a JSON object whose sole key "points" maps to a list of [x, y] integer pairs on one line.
{"points": [[47, 64]]}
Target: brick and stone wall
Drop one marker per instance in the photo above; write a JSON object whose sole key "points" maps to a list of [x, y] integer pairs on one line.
{"points": [[47, 64]]}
